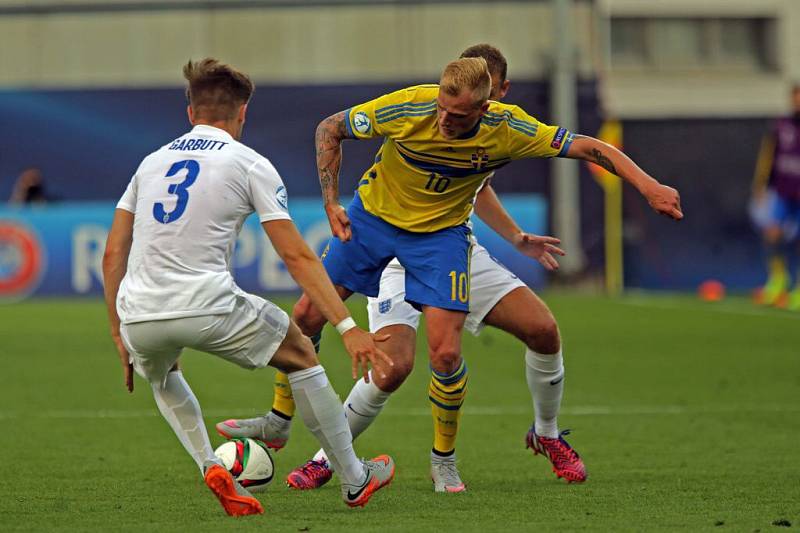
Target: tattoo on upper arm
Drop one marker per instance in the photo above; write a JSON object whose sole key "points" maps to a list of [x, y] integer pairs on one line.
{"points": [[603, 161], [332, 130]]}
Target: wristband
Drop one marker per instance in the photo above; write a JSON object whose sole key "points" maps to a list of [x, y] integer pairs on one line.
{"points": [[345, 325]]}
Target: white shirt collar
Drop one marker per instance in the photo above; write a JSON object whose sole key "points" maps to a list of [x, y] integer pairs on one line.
{"points": [[211, 130]]}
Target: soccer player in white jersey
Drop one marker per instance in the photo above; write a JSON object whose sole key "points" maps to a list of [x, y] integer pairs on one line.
{"points": [[168, 285], [496, 297]]}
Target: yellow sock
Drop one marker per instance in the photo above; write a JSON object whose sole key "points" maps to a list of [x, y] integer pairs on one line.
{"points": [[777, 270], [283, 401], [446, 394]]}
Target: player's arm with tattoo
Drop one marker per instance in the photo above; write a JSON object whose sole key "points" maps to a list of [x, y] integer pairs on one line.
{"points": [[328, 141], [662, 198]]}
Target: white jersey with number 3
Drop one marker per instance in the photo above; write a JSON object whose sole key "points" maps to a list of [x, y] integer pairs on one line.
{"points": [[190, 199]]}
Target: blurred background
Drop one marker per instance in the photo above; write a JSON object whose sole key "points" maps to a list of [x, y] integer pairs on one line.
{"points": [[687, 88]]}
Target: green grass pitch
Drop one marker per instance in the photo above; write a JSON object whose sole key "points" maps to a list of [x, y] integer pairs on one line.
{"points": [[687, 415]]}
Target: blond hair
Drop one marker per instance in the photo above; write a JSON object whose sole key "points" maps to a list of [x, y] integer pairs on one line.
{"points": [[467, 73], [216, 90]]}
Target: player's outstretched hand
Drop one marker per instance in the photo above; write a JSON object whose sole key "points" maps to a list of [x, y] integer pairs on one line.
{"points": [[339, 221], [665, 200], [360, 345], [125, 359], [539, 247]]}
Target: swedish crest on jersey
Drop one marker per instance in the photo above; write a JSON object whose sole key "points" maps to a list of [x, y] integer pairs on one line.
{"points": [[479, 159]]}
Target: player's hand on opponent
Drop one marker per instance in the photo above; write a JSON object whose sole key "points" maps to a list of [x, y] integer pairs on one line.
{"points": [[339, 221], [665, 200], [539, 247], [124, 358], [360, 345]]}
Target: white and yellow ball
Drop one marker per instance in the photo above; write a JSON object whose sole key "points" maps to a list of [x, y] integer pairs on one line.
{"points": [[248, 461]]}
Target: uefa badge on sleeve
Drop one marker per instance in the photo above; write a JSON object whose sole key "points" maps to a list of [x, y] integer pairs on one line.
{"points": [[558, 138], [282, 197], [361, 123]]}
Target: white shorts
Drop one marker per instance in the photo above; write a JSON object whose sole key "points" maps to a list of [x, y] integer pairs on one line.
{"points": [[247, 336], [489, 283]]}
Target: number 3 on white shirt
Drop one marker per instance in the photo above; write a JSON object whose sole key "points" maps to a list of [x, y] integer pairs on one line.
{"points": [[179, 189]]}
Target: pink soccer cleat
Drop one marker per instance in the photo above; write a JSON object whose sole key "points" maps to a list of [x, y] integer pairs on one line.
{"points": [[311, 475], [566, 461]]}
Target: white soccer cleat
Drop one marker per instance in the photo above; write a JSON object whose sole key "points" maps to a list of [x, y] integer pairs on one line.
{"points": [[270, 429], [444, 474]]}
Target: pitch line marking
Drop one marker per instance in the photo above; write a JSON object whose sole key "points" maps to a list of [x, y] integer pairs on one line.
{"points": [[477, 410]]}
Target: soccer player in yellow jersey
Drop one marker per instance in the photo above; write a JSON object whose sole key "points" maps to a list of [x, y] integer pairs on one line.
{"points": [[440, 145]]}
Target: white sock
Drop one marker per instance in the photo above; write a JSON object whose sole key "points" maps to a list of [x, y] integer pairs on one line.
{"points": [[361, 407], [277, 421], [180, 408], [322, 413], [545, 375]]}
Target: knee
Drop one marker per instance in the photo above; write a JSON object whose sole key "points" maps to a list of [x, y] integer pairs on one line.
{"points": [[773, 235], [543, 337], [395, 375], [307, 317], [296, 354], [445, 359]]}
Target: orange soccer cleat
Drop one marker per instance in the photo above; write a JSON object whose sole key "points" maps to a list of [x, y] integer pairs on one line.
{"points": [[234, 498]]}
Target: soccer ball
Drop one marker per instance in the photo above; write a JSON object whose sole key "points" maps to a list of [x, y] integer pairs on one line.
{"points": [[248, 461]]}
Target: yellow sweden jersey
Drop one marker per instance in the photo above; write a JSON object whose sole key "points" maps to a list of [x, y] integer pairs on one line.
{"points": [[423, 182]]}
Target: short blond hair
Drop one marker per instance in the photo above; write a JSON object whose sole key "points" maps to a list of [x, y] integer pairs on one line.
{"points": [[470, 73]]}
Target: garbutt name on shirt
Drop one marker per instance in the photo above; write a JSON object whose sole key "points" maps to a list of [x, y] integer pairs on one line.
{"points": [[196, 144]]}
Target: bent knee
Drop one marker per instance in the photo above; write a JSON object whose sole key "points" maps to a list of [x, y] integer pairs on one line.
{"points": [[543, 337], [307, 317], [395, 376], [295, 353], [445, 360]]}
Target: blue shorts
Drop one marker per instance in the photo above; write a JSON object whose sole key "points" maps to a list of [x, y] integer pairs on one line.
{"points": [[775, 210], [437, 263]]}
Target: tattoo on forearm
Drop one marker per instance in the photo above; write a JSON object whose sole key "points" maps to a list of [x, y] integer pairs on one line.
{"points": [[603, 161], [328, 139]]}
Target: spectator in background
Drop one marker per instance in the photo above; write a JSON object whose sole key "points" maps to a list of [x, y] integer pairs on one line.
{"points": [[775, 208], [29, 188]]}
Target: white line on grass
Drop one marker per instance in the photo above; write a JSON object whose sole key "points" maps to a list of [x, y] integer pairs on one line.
{"points": [[477, 410]]}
